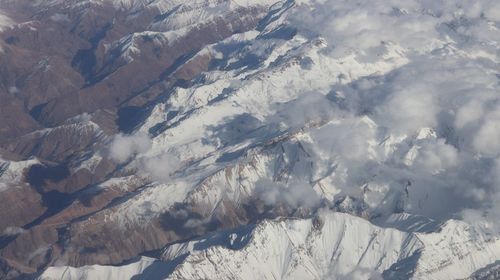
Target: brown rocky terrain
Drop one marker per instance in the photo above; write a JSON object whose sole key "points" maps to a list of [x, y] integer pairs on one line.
{"points": [[68, 81]]}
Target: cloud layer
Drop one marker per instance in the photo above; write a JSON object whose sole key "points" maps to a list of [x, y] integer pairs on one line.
{"points": [[432, 124], [123, 147]]}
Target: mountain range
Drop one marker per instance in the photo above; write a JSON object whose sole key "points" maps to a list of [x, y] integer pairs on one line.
{"points": [[235, 139]]}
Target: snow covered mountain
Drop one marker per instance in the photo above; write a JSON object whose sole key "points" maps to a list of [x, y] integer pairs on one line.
{"points": [[259, 139], [328, 246]]}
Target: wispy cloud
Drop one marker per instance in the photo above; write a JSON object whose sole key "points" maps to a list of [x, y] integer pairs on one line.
{"points": [[123, 147]]}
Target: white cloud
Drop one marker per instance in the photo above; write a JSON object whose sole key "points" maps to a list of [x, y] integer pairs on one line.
{"points": [[5, 21], [410, 109], [12, 231], [13, 90], [291, 194], [160, 167], [487, 138], [361, 25], [436, 156], [123, 147], [469, 113]]}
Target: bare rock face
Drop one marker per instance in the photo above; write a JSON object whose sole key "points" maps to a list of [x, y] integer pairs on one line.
{"points": [[16, 121], [21, 205]]}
